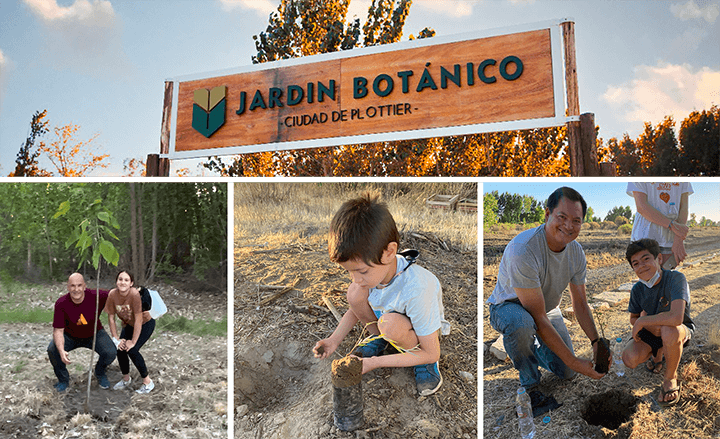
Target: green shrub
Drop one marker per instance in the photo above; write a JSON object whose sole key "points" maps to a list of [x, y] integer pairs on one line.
{"points": [[620, 220], [625, 229]]}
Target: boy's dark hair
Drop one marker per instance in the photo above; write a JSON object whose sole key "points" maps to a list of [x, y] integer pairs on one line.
{"points": [[569, 193], [361, 229], [636, 247]]}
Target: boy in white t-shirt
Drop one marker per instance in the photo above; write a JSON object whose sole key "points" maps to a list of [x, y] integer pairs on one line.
{"points": [[395, 299], [662, 211]]}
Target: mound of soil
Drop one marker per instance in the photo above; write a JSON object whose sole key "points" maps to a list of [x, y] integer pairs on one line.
{"points": [[346, 371]]}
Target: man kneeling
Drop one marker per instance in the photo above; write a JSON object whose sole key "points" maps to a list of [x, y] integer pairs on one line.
{"points": [[660, 314]]}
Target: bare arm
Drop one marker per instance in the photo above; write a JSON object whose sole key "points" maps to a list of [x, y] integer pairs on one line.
{"points": [[532, 300], [325, 347], [111, 318], [674, 317], [59, 340], [429, 352], [654, 216]]}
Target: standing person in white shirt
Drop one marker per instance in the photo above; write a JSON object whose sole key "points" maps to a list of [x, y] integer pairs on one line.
{"points": [[662, 214]]}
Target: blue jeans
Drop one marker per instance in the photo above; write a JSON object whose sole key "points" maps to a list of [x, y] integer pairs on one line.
{"points": [[134, 353], [103, 346], [526, 350]]}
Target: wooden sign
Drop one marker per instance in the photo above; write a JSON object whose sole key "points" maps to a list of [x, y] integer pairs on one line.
{"points": [[422, 88]]}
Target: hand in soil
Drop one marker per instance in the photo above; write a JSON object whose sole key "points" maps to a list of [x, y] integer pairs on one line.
{"points": [[324, 348]]}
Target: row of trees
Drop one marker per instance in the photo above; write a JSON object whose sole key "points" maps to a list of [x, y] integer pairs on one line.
{"points": [[524, 209], [164, 228]]}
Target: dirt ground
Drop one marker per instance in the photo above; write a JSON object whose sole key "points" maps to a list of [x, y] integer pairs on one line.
{"points": [[282, 391], [190, 375], [698, 412]]}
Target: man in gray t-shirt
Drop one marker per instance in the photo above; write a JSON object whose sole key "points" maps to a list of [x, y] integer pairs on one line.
{"points": [[536, 267]]}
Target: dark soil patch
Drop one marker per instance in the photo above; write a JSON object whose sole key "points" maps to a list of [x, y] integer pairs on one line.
{"points": [[104, 405], [610, 409], [20, 427]]}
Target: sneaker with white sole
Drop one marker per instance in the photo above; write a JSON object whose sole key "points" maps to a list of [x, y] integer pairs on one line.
{"points": [[122, 384], [146, 388], [428, 378]]}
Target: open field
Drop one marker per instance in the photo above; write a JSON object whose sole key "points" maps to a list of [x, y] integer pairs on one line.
{"points": [[189, 371], [281, 390], [698, 412]]}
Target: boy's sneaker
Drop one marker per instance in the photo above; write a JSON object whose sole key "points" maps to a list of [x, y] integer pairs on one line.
{"points": [[122, 384], [103, 382], [428, 378], [146, 388], [61, 386], [371, 348]]}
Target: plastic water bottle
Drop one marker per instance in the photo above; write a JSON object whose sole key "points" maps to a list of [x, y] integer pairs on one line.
{"points": [[617, 357], [525, 416]]}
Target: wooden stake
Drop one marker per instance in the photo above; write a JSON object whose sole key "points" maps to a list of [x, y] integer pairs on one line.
{"points": [[332, 308], [573, 100]]}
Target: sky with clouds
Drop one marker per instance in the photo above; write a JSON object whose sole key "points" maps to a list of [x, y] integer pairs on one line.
{"points": [[101, 64]]}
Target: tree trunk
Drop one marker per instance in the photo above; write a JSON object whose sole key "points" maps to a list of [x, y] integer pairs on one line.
{"points": [[141, 242], [133, 231], [153, 257]]}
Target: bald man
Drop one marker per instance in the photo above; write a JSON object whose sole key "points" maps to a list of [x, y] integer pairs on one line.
{"points": [[73, 326]]}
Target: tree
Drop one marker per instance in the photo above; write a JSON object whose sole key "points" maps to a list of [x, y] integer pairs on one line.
{"points": [[26, 163], [490, 209], [72, 158], [700, 143], [617, 211], [92, 240]]}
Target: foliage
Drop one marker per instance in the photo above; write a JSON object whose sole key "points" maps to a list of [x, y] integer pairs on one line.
{"points": [[26, 163], [617, 211], [590, 216], [657, 151], [625, 229], [190, 222], [516, 208], [490, 210], [620, 220], [73, 158]]}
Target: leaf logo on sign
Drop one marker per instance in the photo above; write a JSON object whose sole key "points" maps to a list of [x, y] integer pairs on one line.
{"points": [[209, 110]]}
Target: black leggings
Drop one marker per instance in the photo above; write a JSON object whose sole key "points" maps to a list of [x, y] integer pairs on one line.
{"points": [[134, 353]]}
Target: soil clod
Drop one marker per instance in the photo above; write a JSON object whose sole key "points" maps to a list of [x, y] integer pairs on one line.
{"points": [[346, 372]]}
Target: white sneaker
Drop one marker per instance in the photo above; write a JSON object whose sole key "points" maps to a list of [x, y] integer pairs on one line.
{"points": [[146, 388], [122, 384]]}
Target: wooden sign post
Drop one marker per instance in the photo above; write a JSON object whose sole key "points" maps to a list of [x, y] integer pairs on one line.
{"points": [[442, 86]]}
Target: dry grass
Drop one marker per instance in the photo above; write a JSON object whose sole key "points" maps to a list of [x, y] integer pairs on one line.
{"points": [[265, 209]]}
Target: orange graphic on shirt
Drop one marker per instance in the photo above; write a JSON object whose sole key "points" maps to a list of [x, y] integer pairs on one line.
{"points": [[81, 321], [665, 197]]}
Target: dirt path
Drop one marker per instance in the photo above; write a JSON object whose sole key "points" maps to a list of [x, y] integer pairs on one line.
{"points": [[281, 391], [698, 413], [190, 375]]}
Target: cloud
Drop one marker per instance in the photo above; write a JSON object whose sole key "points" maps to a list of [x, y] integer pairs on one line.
{"points": [[692, 11], [452, 8], [84, 36], [263, 7], [664, 90]]}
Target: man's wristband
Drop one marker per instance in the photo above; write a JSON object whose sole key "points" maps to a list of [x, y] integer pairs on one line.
{"points": [[594, 341]]}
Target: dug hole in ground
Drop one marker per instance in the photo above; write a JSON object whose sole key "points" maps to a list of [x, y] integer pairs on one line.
{"points": [[281, 390], [616, 407], [189, 372]]}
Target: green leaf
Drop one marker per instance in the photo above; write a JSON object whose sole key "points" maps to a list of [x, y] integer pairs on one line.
{"points": [[85, 241], [96, 260], [103, 216], [114, 223], [110, 233], [109, 252], [62, 210]]}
